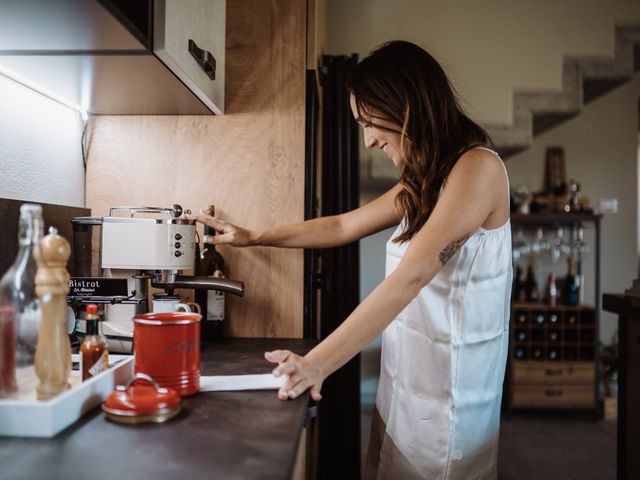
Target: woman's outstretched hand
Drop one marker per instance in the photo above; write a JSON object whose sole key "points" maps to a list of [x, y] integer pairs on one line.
{"points": [[300, 374], [226, 233]]}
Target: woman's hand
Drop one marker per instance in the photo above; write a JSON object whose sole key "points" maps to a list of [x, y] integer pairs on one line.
{"points": [[226, 233], [301, 374]]}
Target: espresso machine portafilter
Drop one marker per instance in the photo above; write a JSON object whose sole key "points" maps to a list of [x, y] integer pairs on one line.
{"points": [[142, 245]]}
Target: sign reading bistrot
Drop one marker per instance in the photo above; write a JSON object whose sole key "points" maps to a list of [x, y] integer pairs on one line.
{"points": [[97, 287]]}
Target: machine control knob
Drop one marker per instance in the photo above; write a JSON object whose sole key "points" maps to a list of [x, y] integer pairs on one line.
{"points": [[177, 245], [177, 253], [178, 236]]}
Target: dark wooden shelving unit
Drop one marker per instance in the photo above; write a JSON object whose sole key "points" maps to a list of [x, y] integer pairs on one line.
{"points": [[553, 354]]}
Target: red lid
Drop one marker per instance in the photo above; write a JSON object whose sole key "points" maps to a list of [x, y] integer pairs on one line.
{"points": [[142, 400], [92, 309]]}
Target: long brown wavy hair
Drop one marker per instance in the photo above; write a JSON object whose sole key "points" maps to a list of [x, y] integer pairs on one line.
{"points": [[402, 83]]}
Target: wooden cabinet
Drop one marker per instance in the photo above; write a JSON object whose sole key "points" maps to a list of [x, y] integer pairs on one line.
{"points": [[189, 38], [553, 349], [109, 57]]}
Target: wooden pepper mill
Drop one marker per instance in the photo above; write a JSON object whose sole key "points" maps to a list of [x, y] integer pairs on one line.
{"points": [[53, 352]]}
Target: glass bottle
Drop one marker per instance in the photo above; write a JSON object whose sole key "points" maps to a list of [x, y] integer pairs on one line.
{"points": [[519, 288], [19, 306], [551, 294], [572, 283], [94, 354], [533, 293], [212, 302]]}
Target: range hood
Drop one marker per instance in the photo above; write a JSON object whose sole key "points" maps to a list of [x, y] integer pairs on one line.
{"points": [[118, 57]]}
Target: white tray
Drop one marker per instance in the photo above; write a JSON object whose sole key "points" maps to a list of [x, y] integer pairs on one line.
{"points": [[25, 416]]}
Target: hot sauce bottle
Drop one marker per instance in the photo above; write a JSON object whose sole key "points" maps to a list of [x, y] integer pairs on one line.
{"points": [[94, 354]]}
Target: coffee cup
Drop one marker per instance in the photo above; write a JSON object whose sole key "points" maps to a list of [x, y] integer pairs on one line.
{"points": [[169, 304]]}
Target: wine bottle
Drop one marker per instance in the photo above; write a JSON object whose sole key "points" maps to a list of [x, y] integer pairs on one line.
{"points": [[571, 284], [553, 353], [533, 293], [20, 312], [212, 302], [519, 286], [520, 353], [551, 293]]}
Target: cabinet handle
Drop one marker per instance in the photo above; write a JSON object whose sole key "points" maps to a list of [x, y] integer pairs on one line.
{"points": [[553, 393], [204, 59], [551, 372]]}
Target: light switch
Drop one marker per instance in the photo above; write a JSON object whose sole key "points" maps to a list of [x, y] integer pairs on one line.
{"points": [[608, 205]]}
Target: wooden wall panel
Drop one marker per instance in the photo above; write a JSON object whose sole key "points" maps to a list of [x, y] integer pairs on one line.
{"points": [[248, 162]]}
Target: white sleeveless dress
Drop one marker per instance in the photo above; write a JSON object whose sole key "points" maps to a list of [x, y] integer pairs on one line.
{"points": [[442, 368]]}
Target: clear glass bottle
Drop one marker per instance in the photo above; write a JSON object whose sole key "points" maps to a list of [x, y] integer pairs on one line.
{"points": [[19, 306]]}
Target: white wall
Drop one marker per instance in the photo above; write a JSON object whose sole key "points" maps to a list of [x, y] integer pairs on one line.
{"points": [[40, 153], [488, 48], [492, 48], [601, 152]]}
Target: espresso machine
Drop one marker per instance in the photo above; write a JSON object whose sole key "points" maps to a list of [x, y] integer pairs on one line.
{"points": [[119, 256]]}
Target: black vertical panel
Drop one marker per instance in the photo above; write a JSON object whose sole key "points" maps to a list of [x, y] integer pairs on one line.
{"points": [[339, 416], [310, 203]]}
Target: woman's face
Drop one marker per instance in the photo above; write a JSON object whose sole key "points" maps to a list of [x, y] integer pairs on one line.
{"points": [[380, 133]]}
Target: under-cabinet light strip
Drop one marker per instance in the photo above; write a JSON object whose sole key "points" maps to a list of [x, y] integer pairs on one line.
{"points": [[25, 83]]}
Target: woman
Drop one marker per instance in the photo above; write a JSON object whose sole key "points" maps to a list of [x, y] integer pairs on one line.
{"points": [[444, 303]]}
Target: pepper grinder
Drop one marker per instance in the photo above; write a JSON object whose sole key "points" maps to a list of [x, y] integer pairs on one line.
{"points": [[53, 351]]}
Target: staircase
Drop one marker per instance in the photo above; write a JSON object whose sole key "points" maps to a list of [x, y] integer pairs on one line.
{"points": [[584, 79]]}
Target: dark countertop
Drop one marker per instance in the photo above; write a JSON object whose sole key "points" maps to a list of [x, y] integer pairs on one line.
{"points": [[225, 435]]}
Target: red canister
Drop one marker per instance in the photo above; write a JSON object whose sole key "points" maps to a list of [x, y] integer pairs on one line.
{"points": [[167, 348]]}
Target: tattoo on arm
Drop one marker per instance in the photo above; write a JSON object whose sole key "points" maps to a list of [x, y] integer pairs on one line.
{"points": [[451, 249]]}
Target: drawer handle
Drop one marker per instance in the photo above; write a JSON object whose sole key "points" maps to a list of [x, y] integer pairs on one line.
{"points": [[204, 59], [553, 393], [549, 372]]}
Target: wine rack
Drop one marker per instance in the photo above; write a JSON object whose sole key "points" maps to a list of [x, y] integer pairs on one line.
{"points": [[553, 355], [560, 333], [553, 348]]}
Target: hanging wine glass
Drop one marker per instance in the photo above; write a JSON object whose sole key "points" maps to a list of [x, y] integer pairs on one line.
{"points": [[578, 245], [520, 245], [540, 244], [559, 246]]}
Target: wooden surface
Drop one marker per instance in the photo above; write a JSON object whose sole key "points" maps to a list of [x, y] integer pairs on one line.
{"points": [[554, 372], [248, 162], [316, 32], [53, 351], [556, 396], [218, 435]]}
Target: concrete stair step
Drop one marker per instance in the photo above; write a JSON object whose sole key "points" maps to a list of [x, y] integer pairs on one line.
{"points": [[584, 79]]}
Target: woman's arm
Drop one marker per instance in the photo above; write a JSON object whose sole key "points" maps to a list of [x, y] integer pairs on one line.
{"points": [[469, 198], [322, 232]]}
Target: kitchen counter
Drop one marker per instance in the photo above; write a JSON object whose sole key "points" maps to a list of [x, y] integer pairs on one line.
{"points": [[226, 435]]}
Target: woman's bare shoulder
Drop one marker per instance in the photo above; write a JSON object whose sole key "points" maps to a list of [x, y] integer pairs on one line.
{"points": [[480, 160]]}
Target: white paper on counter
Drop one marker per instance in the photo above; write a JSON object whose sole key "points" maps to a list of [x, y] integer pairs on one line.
{"points": [[222, 383]]}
